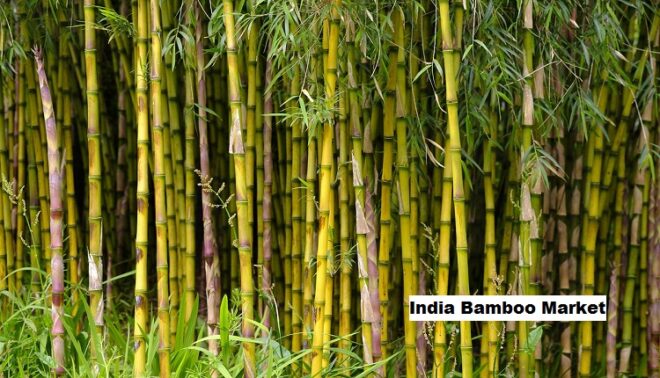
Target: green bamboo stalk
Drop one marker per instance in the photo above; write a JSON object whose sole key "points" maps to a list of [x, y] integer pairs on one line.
{"points": [[5, 222], [250, 114], [630, 293], [403, 170], [345, 260], [162, 253], [490, 244], [34, 229], [590, 235], [617, 245], [178, 161], [121, 183], [310, 217], [108, 201], [20, 181], [385, 241], [444, 218], [529, 221], [95, 223], [449, 47], [287, 164], [296, 210], [328, 313], [259, 159], [562, 249], [72, 205], [7, 173], [39, 146], [361, 222], [189, 165], [642, 289], [174, 255], [654, 267]]}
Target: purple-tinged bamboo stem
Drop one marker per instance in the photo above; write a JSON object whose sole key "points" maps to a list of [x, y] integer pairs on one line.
{"points": [[267, 199], [211, 259], [55, 186]]}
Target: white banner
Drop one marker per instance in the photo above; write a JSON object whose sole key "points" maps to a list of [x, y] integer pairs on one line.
{"points": [[563, 308]]}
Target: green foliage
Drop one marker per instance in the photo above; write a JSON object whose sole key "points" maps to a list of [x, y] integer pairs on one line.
{"points": [[25, 348], [114, 24]]}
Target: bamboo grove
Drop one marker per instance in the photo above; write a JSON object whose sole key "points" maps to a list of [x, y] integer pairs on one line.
{"points": [[222, 180]]}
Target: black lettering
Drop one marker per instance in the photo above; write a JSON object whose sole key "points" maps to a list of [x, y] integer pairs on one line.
{"points": [[433, 308], [466, 307], [493, 309], [549, 307]]}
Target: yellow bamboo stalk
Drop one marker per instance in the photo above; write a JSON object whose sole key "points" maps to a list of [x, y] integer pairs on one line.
{"points": [[237, 149], [162, 253], [142, 234], [450, 45], [403, 186], [325, 188], [95, 226]]}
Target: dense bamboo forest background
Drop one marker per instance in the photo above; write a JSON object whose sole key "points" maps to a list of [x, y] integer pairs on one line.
{"points": [[255, 187]]}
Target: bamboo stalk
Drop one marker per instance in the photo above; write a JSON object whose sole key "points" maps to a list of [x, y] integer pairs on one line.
{"points": [[95, 224], [177, 163], [7, 175], [490, 245], [56, 224], [35, 228], [630, 292], [449, 47], [20, 176], [385, 241], [444, 218], [5, 222], [591, 232], [296, 215], [403, 186], [361, 222], [237, 149], [266, 283], [189, 166], [325, 188], [529, 213], [174, 255], [210, 252], [142, 224], [162, 252], [345, 260]]}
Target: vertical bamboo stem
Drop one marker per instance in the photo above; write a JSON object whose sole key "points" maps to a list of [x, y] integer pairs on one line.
{"points": [[142, 223], [56, 224], [237, 149]]}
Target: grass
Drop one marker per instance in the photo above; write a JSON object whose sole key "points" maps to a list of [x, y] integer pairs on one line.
{"points": [[25, 346]]}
